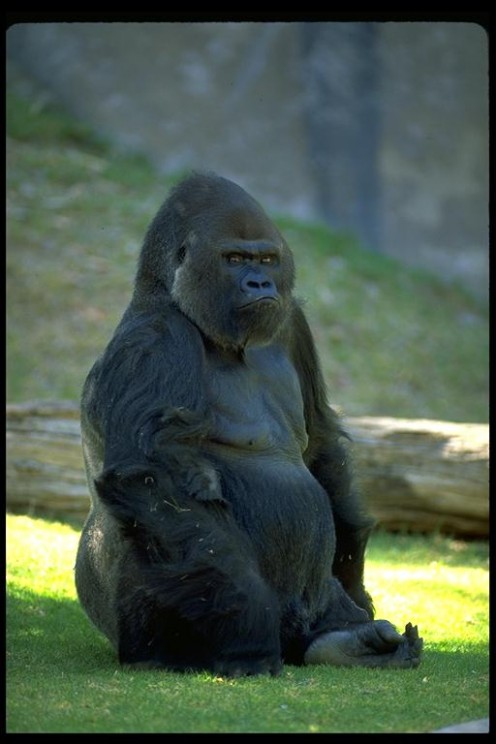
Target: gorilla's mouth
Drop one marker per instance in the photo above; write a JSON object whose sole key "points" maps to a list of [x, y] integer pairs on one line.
{"points": [[259, 301]]}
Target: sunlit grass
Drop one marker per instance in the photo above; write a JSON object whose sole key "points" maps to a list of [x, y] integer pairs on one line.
{"points": [[452, 604], [38, 553], [62, 676], [438, 582]]}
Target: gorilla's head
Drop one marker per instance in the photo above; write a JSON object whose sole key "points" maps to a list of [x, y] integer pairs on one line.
{"points": [[215, 253]]}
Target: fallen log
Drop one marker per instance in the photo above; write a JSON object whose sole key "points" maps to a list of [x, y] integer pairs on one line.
{"points": [[45, 470], [416, 475], [422, 475]]}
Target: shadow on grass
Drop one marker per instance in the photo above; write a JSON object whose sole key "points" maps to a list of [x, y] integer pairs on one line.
{"points": [[54, 634], [387, 547]]}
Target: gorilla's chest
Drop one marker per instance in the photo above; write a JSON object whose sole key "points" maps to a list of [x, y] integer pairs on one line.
{"points": [[259, 434], [257, 404]]}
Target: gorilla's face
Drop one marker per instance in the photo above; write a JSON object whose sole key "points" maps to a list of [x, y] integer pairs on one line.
{"points": [[228, 267], [236, 290]]}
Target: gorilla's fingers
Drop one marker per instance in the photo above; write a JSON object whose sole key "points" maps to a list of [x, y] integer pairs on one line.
{"points": [[415, 642]]}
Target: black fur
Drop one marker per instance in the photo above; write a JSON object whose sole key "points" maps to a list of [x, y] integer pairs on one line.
{"points": [[224, 531]]}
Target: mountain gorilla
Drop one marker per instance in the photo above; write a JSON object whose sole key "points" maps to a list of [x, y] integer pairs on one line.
{"points": [[224, 533]]}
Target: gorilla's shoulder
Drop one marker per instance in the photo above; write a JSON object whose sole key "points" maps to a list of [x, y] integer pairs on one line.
{"points": [[145, 340], [150, 327]]}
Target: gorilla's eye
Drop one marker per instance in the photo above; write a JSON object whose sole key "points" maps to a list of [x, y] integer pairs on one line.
{"points": [[149, 480], [234, 258], [181, 254], [269, 260]]}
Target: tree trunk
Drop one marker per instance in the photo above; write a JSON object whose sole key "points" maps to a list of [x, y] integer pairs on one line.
{"points": [[416, 475]]}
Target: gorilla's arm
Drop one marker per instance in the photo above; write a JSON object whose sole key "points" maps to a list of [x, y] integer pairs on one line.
{"points": [[327, 459], [187, 569], [152, 365]]}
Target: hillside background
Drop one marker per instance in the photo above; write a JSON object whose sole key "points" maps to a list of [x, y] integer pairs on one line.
{"points": [[396, 290], [379, 128]]}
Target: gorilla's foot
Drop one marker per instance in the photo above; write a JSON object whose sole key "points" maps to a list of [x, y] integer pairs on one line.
{"points": [[374, 644]]}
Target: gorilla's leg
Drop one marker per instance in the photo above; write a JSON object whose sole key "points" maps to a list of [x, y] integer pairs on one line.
{"points": [[373, 644]]}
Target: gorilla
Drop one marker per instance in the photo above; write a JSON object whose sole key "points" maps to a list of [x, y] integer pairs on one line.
{"points": [[224, 531]]}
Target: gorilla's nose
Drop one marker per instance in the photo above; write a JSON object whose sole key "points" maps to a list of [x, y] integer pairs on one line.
{"points": [[258, 286]]}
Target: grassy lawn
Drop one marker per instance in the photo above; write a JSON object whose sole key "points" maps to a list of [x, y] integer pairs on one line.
{"points": [[62, 676]]}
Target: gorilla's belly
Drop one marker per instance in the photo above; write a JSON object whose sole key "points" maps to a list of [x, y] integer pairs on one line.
{"points": [[287, 515]]}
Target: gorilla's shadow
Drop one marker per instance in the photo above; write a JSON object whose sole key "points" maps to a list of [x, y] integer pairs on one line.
{"points": [[52, 631]]}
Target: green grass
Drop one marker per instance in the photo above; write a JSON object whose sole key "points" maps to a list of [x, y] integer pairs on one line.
{"points": [[393, 341], [62, 676]]}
